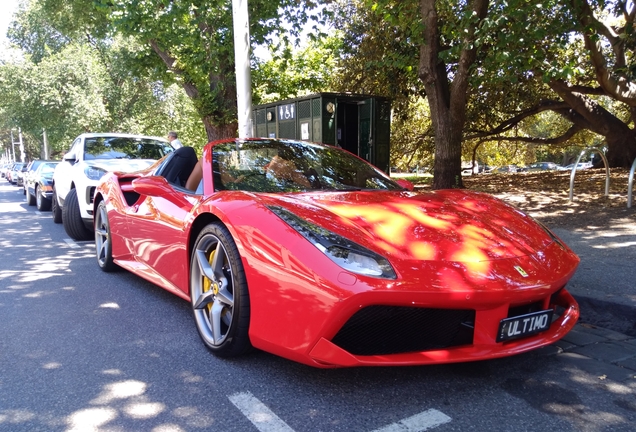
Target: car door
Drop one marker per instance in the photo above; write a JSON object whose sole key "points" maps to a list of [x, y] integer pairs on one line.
{"points": [[156, 225]]}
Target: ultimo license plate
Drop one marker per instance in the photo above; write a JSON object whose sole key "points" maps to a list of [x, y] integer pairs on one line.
{"points": [[524, 325]]}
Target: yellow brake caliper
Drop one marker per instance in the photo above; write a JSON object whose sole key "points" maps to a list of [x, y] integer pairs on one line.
{"points": [[207, 283]]}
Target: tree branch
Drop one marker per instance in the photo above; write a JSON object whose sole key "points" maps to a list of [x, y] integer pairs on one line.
{"points": [[170, 61], [545, 105], [532, 140], [619, 87], [589, 113]]}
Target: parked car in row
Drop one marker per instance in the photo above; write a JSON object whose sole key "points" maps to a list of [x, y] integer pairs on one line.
{"points": [[14, 172], [91, 156], [28, 171], [39, 185], [4, 168], [507, 169], [542, 166], [579, 166]]}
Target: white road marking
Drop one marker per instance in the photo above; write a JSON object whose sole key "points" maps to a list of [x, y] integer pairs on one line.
{"points": [[266, 421], [419, 422], [260, 416], [71, 243]]}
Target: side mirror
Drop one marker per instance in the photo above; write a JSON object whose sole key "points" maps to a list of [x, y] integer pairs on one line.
{"points": [[405, 184], [151, 186], [70, 157]]}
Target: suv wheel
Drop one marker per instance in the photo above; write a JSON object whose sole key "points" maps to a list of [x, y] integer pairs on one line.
{"points": [[55, 208], [72, 218]]}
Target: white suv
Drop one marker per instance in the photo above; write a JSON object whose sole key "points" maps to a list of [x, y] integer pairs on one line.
{"points": [[90, 157]]}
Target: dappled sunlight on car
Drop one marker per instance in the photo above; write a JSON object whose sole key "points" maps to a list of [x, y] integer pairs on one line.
{"points": [[428, 231]]}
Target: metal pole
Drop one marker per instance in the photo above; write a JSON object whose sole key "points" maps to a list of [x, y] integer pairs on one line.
{"points": [[630, 184], [607, 170], [242, 64], [46, 144], [22, 155], [13, 145]]}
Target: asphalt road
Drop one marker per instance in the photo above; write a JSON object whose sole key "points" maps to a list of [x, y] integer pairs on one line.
{"points": [[81, 350], [605, 282]]}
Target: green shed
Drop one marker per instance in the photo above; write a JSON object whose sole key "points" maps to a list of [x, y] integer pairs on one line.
{"points": [[358, 123]]}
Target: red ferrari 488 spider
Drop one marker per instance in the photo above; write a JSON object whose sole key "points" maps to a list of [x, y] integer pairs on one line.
{"points": [[310, 253]]}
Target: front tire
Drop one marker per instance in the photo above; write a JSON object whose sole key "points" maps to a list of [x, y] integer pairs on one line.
{"points": [[30, 199], [41, 202], [72, 218], [55, 208], [103, 243], [218, 292]]}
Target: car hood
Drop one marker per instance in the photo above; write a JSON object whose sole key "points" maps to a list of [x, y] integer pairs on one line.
{"points": [[121, 165], [448, 225]]}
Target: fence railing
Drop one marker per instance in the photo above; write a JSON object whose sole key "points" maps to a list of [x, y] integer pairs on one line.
{"points": [[607, 172], [630, 184]]}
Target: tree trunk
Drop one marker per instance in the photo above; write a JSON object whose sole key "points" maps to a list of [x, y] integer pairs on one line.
{"points": [[621, 148], [447, 169], [217, 132], [446, 99]]}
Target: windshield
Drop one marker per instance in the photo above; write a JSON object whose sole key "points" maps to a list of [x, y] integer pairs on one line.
{"points": [[125, 148], [292, 166], [48, 168]]}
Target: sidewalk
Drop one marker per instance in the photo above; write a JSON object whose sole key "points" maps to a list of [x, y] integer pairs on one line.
{"points": [[602, 353], [605, 282], [603, 343]]}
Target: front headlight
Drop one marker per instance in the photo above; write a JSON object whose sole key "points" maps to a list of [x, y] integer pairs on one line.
{"points": [[94, 173], [347, 254]]}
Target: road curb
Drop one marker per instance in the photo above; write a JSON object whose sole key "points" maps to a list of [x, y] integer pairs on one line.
{"points": [[610, 315]]}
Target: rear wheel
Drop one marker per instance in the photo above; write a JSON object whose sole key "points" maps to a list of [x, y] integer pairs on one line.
{"points": [[30, 199], [72, 218], [55, 209], [42, 203], [218, 292], [103, 245]]}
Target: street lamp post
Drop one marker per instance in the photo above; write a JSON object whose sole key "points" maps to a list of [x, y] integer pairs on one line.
{"points": [[13, 143], [242, 64], [22, 155], [46, 144]]}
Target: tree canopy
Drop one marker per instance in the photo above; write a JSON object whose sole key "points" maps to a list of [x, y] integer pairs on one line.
{"points": [[463, 76], [488, 67]]}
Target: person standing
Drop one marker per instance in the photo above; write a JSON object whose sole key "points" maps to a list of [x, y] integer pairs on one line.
{"points": [[174, 140]]}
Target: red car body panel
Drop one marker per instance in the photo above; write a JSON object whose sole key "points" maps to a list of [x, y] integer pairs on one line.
{"points": [[451, 249]]}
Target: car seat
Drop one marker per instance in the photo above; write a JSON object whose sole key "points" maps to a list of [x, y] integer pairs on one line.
{"points": [[179, 165]]}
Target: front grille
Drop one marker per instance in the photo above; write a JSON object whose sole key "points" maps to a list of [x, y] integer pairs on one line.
{"points": [[382, 330], [514, 311]]}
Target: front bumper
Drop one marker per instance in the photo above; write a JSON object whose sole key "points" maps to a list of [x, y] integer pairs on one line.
{"points": [[482, 345]]}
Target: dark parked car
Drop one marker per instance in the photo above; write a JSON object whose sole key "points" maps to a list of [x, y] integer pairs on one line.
{"points": [[28, 171], [39, 185], [543, 166]]}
